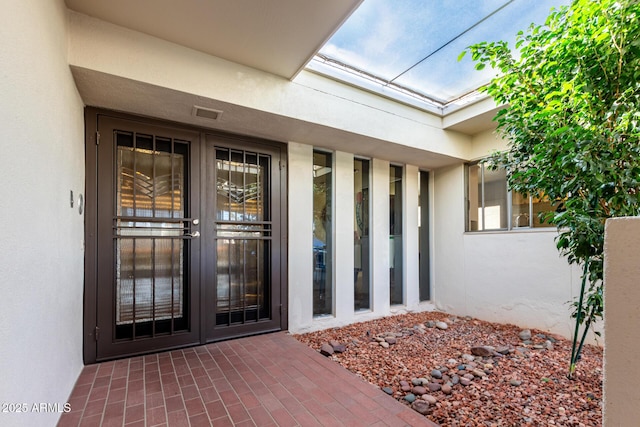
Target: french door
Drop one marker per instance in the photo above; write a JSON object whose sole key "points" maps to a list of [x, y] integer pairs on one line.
{"points": [[245, 238], [184, 237]]}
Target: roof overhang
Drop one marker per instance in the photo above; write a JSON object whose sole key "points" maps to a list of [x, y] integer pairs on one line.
{"points": [[276, 36]]}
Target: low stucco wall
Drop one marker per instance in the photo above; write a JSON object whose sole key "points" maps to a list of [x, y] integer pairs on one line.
{"points": [[519, 277], [515, 277], [622, 317]]}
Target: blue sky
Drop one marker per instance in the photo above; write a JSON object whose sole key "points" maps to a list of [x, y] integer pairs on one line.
{"points": [[386, 37]]}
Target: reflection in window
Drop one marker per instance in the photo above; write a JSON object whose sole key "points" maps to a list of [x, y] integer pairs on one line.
{"points": [[362, 287], [150, 283], [240, 185], [243, 246], [395, 234], [322, 228], [489, 205]]}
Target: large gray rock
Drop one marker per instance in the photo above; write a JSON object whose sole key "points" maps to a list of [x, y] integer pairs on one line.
{"points": [[326, 349], [525, 335], [482, 350], [442, 325]]}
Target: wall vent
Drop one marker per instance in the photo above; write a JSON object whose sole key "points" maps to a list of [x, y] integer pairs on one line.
{"points": [[207, 113]]}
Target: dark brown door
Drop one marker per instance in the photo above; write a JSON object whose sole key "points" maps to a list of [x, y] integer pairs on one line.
{"points": [[185, 242], [244, 275], [148, 281]]}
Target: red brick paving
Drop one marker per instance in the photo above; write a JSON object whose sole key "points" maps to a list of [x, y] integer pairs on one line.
{"points": [[265, 380]]}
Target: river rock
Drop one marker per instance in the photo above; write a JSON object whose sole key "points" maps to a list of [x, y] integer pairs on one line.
{"points": [[419, 390], [525, 335], [429, 398], [442, 325], [326, 350], [434, 386], [420, 406], [482, 350]]}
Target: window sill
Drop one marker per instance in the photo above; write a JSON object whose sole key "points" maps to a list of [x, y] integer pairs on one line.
{"points": [[515, 231]]}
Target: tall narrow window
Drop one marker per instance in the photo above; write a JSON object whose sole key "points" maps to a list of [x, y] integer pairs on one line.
{"points": [[423, 236], [322, 227], [362, 286], [395, 234]]}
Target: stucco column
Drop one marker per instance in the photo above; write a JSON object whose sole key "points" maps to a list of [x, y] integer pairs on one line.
{"points": [[380, 236], [343, 238], [621, 321], [411, 251], [300, 207]]}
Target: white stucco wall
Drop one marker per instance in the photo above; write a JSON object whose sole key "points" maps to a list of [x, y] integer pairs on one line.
{"points": [[41, 267], [515, 277], [310, 98], [519, 277], [300, 183], [622, 317], [447, 255], [485, 143]]}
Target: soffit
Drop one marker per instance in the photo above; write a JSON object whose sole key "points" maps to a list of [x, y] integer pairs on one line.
{"points": [[277, 36]]}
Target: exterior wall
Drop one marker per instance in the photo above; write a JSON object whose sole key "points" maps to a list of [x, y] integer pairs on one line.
{"points": [[513, 277], [448, 219], [311, 99], [519, 277], [622, 336], [42, 140], [484, 143]]}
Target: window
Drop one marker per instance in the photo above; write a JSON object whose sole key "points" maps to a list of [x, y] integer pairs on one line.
{"points": [[492, 207], [423, 236], [322, 234], [362, 284], [395, 235]]}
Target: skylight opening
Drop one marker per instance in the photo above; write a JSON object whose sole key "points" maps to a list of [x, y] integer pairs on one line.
{"points": [[407, 50]]}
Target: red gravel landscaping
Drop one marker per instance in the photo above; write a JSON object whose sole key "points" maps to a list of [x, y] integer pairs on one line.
{"points": [[508, 382]]}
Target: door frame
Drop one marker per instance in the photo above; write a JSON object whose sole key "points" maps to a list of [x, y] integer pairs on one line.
{"points": [[91, 261]]}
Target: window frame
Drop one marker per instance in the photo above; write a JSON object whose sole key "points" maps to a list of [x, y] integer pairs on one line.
{"points": [[509, 205]]}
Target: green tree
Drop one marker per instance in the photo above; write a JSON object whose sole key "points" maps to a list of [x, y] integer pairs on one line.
{"points": [[571, 91]]}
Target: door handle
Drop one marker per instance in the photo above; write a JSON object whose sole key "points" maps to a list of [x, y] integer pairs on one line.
{"points": [[193, 235]]}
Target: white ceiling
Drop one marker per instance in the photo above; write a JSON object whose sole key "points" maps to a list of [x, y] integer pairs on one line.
{"points": [[277, 36]]}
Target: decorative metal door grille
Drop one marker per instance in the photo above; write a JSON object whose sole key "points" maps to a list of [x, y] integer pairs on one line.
{"points": [[243, 237], [150, 228]]}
